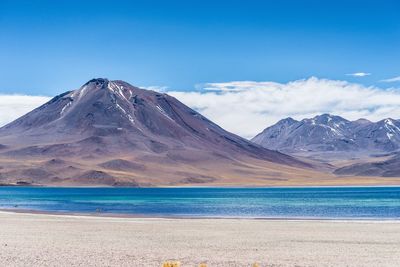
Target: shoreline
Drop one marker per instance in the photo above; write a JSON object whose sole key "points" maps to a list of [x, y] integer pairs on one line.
{"points": [[144, 216], [205, 187]]}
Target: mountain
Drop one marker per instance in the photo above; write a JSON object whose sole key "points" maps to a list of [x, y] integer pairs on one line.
{"points": [[112, 133], [321, 133], [382, 136], [327, 134], [386, 168]]}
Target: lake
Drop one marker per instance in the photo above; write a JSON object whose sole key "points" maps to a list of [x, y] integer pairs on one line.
{"points": [[291, 203]]}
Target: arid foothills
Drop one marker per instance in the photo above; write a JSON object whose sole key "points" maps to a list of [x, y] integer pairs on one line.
{"points": [[110, 133]]}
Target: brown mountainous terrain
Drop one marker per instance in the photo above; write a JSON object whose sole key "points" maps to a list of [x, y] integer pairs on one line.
{"points": [[112, 133]]}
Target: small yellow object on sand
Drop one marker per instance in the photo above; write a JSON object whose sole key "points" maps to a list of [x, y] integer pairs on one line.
{"points": [[178, 264], [171, 264]]}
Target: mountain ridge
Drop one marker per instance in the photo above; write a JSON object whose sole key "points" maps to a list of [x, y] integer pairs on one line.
{"points": [[329, 133], [356, 148]]}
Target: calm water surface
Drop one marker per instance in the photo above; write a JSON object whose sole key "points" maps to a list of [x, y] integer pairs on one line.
{"points": [[329, 203]]}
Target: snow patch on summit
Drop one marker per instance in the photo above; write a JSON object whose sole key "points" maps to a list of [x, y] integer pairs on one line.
{"points": [[117, 89]]}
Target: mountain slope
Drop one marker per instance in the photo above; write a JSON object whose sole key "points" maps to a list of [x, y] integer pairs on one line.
{"points": [[385, 168], [101, 132]]}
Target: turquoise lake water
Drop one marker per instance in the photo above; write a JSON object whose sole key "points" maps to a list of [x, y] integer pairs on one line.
{"points": [[312, 202]]}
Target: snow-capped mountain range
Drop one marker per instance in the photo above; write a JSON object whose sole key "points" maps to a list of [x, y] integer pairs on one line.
{"points": [[329, 133]]}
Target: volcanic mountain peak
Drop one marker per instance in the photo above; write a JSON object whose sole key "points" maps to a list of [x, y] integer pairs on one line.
{"points": [[117, 88], [118, 96], [105, 106]]}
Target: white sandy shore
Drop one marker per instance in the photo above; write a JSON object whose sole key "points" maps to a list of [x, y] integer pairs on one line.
{"points": [[61, 240]]}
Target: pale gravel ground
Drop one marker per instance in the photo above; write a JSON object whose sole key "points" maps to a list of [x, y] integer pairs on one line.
{"points": [[57, 240]]}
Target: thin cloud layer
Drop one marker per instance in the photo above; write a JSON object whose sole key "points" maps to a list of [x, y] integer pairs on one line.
{"points": [[14, 106], [247, 107], [392, 80], [156, 88], [359, 74]]}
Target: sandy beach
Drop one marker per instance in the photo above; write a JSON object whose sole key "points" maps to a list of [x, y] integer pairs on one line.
{"points": [[65, 240]]}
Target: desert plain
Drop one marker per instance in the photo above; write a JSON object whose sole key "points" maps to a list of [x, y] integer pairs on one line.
{"points": [[28, 239]]}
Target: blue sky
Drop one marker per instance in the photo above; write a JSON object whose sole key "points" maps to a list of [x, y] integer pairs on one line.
{"points": [[243, 64], [47, 47]]}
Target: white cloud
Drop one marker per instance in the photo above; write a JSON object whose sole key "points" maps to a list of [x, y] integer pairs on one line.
{"points": [[14, 106], [157, 88], [359, 74], [247, 107], [392, 80]]}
